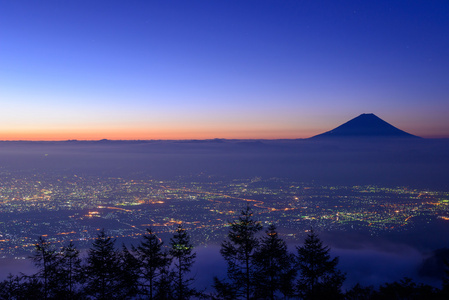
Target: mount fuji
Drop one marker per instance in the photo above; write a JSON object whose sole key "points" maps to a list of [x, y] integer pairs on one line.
{"points": [[365, 126]]}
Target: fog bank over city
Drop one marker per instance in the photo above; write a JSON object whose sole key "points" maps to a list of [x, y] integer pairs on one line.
{"points": [[416, 163]]}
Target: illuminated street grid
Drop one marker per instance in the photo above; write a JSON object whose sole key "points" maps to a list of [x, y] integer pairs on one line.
{"points": [[74, 208]]}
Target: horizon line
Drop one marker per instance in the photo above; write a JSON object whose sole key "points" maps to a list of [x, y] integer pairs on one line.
{"points": [[206, 139]]}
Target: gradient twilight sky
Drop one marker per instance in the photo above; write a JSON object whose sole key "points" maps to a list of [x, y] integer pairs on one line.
{"points": [[182, 69]]}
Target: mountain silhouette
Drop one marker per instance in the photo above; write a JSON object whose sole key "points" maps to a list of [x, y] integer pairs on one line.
{"points": [[366, 125]]}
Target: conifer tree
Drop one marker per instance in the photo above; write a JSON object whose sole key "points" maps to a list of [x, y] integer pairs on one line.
{"points": [[69, 272], [72, 266], [164, 283], [273, 266], [102, 270], [153, 262], [129, 274], [46, 258], [319, 277], [183, 259], [238, 250]]}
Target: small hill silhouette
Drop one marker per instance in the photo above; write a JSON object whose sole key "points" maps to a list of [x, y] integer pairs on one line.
{"points": [[366, 125]]}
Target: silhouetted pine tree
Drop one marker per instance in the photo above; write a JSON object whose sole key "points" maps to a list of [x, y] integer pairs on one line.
{"points": [[153, 261], [319, 277], [129, 274], [164, 283], [238, 251], [183, 259], [274, 271], [46, 259], [69, 272], [102, 270]]}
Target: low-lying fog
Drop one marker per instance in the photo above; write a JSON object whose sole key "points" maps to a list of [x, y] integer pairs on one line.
{"points": [[416, 163]]}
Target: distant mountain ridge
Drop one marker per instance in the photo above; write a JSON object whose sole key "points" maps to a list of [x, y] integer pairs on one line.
{"points": [[365, 126]]}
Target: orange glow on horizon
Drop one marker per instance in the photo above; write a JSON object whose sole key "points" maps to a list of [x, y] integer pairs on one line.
{"points": [[176, 131], [168, 134], [163, 134]]}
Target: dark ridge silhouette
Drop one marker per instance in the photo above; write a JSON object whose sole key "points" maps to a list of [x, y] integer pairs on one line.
{"points": [[365, 126]]}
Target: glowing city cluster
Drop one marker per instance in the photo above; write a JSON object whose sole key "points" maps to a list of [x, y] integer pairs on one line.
{"points": [[74, 207]]}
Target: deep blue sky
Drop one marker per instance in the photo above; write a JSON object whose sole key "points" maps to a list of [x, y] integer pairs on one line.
{"points": [[229, 69]]}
